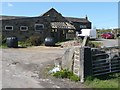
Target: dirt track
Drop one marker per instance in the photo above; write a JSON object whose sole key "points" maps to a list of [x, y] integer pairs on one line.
{"points": [[25, 68]]}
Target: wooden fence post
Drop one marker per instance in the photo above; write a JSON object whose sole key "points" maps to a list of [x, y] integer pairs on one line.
{"points": [[85, 62]]}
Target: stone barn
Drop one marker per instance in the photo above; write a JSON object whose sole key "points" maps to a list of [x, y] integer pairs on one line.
{"points": [[51, 23]]}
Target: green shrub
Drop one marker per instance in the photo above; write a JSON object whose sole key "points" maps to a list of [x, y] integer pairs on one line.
{"points": [[33, 41], [61, 74], [22, 44], [74, 78], [3, 39], [66, 74], [3, 45], [94, 44]]}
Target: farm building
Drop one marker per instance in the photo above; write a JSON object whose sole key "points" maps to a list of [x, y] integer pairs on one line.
{"points": [[51, 23]]}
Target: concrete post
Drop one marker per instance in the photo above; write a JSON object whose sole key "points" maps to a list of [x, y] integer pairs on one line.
{"points": [[85, 41], [82, 64]]}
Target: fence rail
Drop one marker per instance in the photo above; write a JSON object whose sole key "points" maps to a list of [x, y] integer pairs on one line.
{"points": [[85, 61], [105, 60]]}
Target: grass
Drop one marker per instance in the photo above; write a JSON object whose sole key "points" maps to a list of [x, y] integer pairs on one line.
{"points": [[104, 81], [95, 44], [22, 44], [3, 46], [97, 83], [66, 74]]}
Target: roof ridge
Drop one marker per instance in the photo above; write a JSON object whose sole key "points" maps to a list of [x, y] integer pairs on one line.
{"points": [[75, 17], [49, 11]]}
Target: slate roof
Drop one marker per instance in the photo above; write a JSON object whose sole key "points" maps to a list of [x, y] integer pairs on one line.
{"points": [[2, 17], [52, 9], [72, 19]]}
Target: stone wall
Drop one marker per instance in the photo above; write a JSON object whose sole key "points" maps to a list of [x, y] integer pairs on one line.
{"points": [[45, 19], [30, 22], [69, 44], [71, 60], [78, 60]]}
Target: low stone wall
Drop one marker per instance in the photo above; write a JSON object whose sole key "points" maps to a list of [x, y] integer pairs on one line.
{"points": [[70, 44], [71, 60], [83, 61], [76, 60]]}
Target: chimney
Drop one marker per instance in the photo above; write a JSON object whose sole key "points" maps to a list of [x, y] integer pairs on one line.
{"points": [[86, 17]]}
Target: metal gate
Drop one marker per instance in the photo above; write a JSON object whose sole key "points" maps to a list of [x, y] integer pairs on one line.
{"points": [[105, 60]]}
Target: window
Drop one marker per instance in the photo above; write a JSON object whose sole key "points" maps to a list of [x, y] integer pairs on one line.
{"points": [[39, 27], [70, 31], [9, 28], [23, 28], [82, 26], [53, 30]]}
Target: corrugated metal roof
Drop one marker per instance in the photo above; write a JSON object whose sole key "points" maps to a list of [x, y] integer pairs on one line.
{"points": [[62, 25]]}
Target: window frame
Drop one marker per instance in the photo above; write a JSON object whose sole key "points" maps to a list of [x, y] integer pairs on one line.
{"points": [[83, 26], [40, 25], [23, 29], [8, 29]]}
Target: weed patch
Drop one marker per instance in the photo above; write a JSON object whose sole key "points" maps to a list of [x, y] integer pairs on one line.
{"points": [[94, 44], [66, 74], [3, 46]]}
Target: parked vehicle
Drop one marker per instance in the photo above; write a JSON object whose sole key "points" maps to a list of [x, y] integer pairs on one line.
{"points": [[108, 36], [88, 32]]}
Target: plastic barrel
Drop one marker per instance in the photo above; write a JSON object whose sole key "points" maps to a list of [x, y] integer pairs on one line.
{"points": [[12, 42], [49, 41]]}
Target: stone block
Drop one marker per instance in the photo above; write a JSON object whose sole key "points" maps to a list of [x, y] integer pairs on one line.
{"points": [[67, 59]]}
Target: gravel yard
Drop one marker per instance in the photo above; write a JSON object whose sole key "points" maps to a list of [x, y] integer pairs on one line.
{"points": [[25, 68], [108, 42]]}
